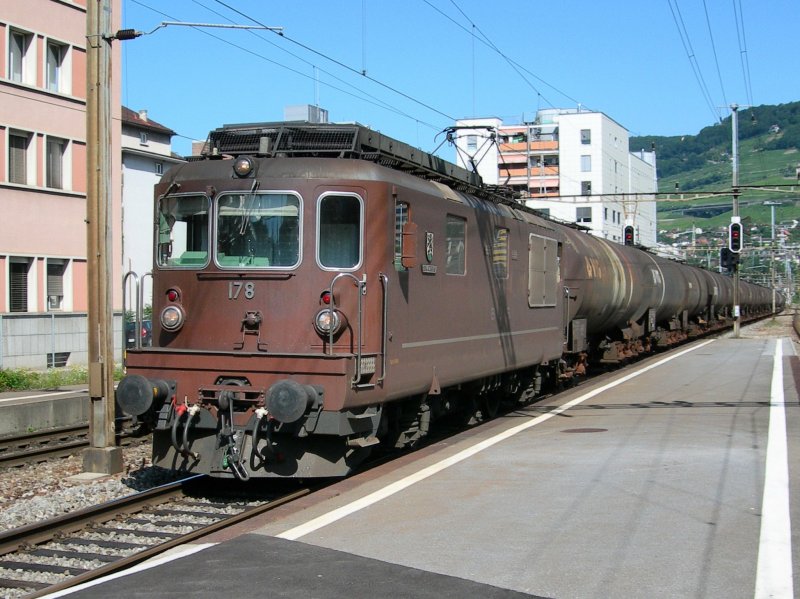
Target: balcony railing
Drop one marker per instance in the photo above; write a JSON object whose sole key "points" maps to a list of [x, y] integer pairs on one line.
{"points": [[535, 146], [534, 171]]}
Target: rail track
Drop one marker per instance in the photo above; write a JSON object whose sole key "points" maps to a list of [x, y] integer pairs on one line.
{"points": [[49, 444], [57, 554]]}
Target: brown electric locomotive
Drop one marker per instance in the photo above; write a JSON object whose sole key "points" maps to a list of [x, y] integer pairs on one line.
{"points": [[320, 291]]}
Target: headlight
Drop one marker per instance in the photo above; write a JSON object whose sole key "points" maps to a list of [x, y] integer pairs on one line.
{"points": [[172, 318], [243, 166], [327, 321]]}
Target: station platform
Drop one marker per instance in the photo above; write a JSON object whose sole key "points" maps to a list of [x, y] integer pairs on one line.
{"points": [[22, 411], [677, 477]]}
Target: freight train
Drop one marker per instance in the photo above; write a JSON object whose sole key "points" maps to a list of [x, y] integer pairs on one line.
{"points": [[323, 291]]}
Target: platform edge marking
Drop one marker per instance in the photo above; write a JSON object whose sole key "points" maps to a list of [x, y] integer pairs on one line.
{"points": [[314, 524], [774, 569]]}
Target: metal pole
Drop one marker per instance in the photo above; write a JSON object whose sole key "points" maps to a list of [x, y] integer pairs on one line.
{"points": [[735, 217], [102, 456], [772, 259]]}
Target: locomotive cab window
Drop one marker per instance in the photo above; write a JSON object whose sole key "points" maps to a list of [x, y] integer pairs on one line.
{"points": [[339, 229], [182, 223], [258, 230]]}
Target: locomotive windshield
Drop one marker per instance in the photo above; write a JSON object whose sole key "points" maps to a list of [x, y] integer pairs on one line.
{"points": [[258, 230], [183, 231]]}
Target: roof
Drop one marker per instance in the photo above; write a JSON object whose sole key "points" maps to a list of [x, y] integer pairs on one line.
{"points": [[131, 117]]}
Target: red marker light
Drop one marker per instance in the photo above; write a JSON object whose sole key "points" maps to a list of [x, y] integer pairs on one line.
{"points": [[172, 295], [325, 298]]}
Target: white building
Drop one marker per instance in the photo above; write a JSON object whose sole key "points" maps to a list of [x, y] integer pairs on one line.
{"points": [[559, 160], [146, 155]]}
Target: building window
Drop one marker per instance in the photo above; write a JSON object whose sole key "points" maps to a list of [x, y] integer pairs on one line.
{"points": [[143, 138], [456, 239], [55, 284], [56, 67], [586, 136], [159, 168], [18, 284], [19, 144], [56, 159], [605, 214], [500, 253], [586, 163], [583, 215], [472, 142], [21, 62], [586, 188]]}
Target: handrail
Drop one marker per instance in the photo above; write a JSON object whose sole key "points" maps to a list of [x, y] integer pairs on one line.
{"points": [[137, 313], [362, 290], [385, 334]]}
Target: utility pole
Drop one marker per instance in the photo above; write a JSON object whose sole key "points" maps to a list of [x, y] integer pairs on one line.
{"points": [[735, 218], [102, 456], [772, 253]]}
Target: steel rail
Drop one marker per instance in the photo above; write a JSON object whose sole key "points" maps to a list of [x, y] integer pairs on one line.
{"points": [[145, 554], [47, 530], [40, 446]]}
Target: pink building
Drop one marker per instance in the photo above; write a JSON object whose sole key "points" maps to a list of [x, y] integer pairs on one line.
{"points": [[43, 161]]}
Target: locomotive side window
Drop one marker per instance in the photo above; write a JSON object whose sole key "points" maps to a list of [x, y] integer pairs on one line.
{"points": [[183, 231], [339, 231], [455, 238], [400, 219], [258, 230], [543, 271], [500, 253]]}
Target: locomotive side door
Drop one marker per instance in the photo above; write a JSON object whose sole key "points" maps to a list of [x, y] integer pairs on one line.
{"points": [[350, 320]]}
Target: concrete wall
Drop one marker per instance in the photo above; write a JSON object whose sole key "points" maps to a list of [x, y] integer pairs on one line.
{"points": [[27, 339]]}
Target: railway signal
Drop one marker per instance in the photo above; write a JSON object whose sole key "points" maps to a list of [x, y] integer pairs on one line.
{"points": [[735, 237], [628, 234], [728, 259]]}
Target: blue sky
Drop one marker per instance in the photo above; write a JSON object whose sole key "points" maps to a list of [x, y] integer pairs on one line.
{"points": [[430, 61]]}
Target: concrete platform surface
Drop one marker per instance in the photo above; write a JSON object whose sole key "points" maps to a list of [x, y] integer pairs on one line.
{"points": [[675, 478]]}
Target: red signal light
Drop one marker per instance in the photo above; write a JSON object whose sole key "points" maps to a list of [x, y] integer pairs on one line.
{"points": [[735, 237], [629, 235], [325, 297]]}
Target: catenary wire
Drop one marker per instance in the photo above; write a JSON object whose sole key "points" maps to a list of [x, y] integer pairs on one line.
{"points": [[714, 49], [377, 103], [517, 64], [311, 64], [343, 65], [684, 35], [740, 36]]}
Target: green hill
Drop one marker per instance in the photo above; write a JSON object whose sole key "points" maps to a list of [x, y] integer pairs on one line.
{"points": [[769, 154]]}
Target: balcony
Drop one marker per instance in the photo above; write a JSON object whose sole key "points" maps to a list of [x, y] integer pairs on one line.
{"points": [[535, 146], [533, 172]]}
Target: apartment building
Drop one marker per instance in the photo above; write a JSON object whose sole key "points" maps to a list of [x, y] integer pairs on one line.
{"points": [[43, 180], [574, 165]]}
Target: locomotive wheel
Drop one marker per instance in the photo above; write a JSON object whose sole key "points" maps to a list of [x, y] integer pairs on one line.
{"points": [[490, 406]]}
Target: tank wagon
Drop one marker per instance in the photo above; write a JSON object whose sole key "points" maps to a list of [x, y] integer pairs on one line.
{"points": [[320, 291]]}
